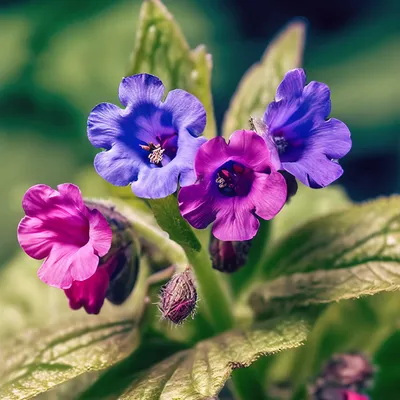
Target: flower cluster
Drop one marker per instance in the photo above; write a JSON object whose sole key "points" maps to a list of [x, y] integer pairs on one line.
{"points": [[155, 146]]}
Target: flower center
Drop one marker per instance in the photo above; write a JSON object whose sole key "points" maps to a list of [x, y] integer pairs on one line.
{"points": [[163, 150], [234, 179], [281, 143], [156, 152]]}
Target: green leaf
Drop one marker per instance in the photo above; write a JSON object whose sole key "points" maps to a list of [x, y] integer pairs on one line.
{"points": [[258, 86], [375, 319], [162, 50], [41, 360], [386, 383], [200, 373], [167, 214], [308, 204], [116, 379], [344, 255]]}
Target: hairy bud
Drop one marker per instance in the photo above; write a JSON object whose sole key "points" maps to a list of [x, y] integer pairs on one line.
{"points": [[228, 256], [178, 297], [122, 261], [343, 377], [352, 370]]}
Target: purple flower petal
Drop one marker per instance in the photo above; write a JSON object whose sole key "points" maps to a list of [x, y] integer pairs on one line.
{"points": [[235, 221], [196, 205], [187, 111], [140, 89], [316, 171], [331, 138], [292, 85], [268, 194]]}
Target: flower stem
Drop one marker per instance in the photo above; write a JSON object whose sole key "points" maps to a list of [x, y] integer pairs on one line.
{"points": [[213, 295]]}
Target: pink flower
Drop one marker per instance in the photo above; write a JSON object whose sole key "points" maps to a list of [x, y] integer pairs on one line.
{"points": [[59, 227], [347, 395]]}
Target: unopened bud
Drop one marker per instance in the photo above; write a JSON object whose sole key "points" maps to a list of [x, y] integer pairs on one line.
{"points": [[178, 297], [122, 261], [291, 184], [228, 256], [351, 370]]}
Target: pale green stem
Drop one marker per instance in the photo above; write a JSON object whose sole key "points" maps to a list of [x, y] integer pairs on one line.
{"points": [[213, 295]]}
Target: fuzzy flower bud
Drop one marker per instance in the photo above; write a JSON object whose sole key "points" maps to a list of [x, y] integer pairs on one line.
{"points": [[178, 297], [228, 256], [343, 377], [351, 370]]}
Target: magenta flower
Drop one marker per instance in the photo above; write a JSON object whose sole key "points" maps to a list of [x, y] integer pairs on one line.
{"points": [[151, 143], [71, 237], [90, 293], [348, 395], [236, 182], [309, 144]]}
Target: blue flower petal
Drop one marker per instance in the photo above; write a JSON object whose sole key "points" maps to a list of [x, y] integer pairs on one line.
{"points": [[314, 170], [119, 165], [140, 89], [187, 111], [292, 85], [103, 125]]}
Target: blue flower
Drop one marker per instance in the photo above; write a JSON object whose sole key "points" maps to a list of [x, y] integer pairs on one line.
{"points": [[308, 144], [151, 144]]}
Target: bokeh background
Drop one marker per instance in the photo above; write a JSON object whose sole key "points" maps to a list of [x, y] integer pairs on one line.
{"points": [[59, 58]]}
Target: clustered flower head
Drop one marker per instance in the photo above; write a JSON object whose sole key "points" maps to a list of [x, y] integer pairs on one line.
{"points": [[154, 144]]}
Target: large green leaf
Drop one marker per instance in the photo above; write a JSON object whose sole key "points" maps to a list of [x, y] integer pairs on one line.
{"points": [[115, 380], [306, 205], [162, 50], [258, 86], [200, 373], [41, 360], [344, 255]]}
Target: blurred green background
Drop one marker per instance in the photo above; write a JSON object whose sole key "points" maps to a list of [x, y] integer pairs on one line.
{"points": [[60, 58]]}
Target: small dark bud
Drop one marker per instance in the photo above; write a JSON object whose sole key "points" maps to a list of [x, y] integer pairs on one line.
{"points": [[228, 256], [122, 261], [178, 297], [291, 183]]}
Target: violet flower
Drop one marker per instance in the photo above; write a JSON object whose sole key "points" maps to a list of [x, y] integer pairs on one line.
{"points": [[151, 144], [309, 145], [236, 182], [71, 237]]}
